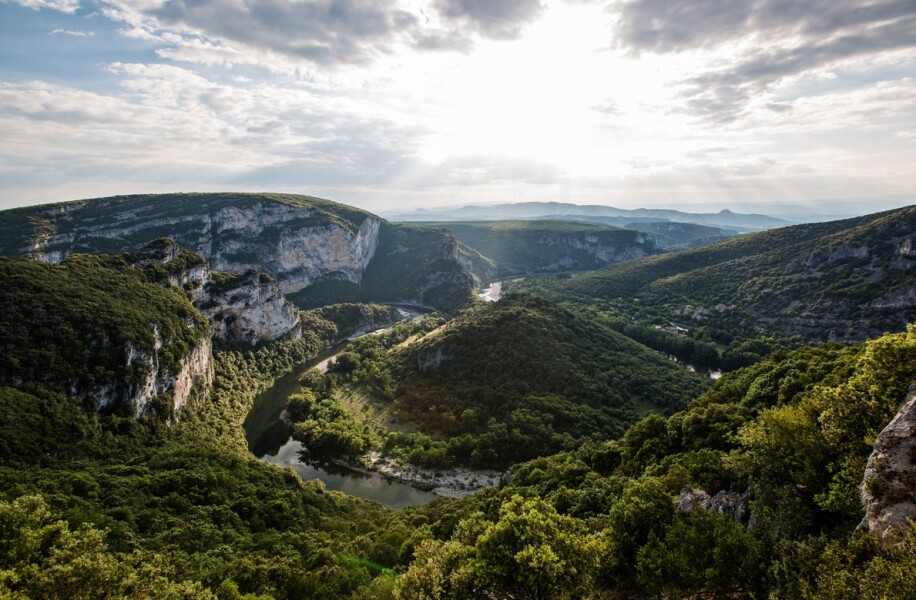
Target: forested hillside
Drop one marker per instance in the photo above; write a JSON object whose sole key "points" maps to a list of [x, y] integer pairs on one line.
{"points": [[115, 504], [751, 492], [509, 381], [840, 280], [94, 327]]}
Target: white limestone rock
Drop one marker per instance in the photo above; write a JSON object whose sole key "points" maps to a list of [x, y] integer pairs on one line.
{"points": [[889, 485], [249, 308]]}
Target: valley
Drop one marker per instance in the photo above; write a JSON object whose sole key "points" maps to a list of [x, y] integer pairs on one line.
{"points": [[294, 398]]}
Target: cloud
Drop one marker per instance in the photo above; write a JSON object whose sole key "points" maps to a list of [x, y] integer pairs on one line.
{"points": [[325, 33], [73, 32], [671, 26], [772, 40], [171, 124], [67, 6], [322, 31], [494, 19]]}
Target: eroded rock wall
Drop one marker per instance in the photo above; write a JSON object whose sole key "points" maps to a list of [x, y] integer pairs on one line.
{"points": [[889, 485]]}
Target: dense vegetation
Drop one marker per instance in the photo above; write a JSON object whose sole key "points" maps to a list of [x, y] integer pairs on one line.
{"points": [[109, 507], [337, 321], [73, 325], [175, 506], [509, 381], [841, 280], [520, 247], [789, 436], [99, 505]]}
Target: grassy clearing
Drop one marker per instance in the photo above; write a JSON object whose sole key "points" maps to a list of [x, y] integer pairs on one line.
{"points": [[419, 338], [375, 414]]}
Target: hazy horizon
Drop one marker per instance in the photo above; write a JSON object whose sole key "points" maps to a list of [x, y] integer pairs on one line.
{"points": [[758, 106]]}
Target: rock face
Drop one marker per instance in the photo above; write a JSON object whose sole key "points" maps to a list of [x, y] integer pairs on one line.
{"points": [[192, 379], [602, 253], [859, 265], [248, 308], [431, 359], [319, 251], [889, 485], [296, 242], [731, 504]]}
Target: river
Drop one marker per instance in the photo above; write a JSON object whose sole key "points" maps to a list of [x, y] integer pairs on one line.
{"points": [[269, 436]]}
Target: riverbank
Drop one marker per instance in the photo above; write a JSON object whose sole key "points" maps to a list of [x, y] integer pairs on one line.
{"points": [[455, 482]]}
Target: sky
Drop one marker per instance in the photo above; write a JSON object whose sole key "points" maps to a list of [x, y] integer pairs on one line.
{"points": [[764, 105]]}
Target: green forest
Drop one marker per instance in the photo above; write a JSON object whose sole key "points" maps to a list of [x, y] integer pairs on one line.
{"points": [[624, 474], [509, 381]]}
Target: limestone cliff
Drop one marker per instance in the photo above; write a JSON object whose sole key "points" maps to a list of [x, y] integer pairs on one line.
{"points": [[889, 485], [526, 247], [298, 240], [191, 380], [248, 308], [319, 251], [601, 252]]}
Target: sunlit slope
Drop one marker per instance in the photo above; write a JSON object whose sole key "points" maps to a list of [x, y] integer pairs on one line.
{"points": [[844, 280]]}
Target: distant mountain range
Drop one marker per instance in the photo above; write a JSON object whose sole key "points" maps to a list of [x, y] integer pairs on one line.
{"points": [[609, 215]]}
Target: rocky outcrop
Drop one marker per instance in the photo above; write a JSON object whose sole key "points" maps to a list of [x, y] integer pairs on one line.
{"points": [[190, 379], [889, 485], [248, 308], [733, 505], [171, 265], [293, 241], [602, 253], [431, 359]]}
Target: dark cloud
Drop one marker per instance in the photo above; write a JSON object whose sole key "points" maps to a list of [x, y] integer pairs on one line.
{"points": [[332, 32], [670, 26], [794, 38], [321, 31], [494, 19]]}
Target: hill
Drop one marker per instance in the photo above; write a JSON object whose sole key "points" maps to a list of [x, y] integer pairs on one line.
{"points": [[511, 380], [102, 331], [128, 501], [840, 280], [524, 247], [754, 490], [299, 240], [559, 210], [751, 492], [669, 233]]}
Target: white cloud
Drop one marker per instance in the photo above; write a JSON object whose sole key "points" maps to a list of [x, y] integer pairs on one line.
{"points": [[67, 6], [550, 99], [72, 32]]}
